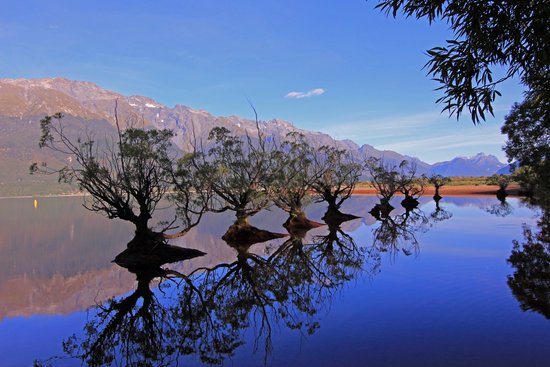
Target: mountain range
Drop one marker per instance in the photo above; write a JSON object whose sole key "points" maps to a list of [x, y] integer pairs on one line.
{"points": [[88, 107]]}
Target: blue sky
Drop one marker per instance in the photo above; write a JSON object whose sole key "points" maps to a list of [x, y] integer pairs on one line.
{"points": [[358, 72]]}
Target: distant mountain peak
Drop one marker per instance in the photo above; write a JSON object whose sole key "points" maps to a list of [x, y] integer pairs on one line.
{"points": [[480, 164], [92, 106]]}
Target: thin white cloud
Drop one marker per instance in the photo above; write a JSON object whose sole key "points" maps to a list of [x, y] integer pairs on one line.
{"points": [[393, 126], [311, 93], [447, 142], [430, 136]]}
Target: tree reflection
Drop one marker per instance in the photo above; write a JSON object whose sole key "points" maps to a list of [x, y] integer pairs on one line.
{"points": [[137, 329], [530, 282], [440, 214], [288, 287], [209, 312], [141, 330], [500, 209], [398, 233], [339, 257]]}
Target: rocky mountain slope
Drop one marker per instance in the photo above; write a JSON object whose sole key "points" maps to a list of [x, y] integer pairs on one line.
{"points": [[88, 107]]}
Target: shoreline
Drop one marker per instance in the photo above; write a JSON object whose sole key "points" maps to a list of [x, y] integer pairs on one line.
{"points": [[459, 190], [44, 196]]}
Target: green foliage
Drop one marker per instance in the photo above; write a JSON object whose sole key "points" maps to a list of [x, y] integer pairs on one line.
{"points": [[384, 177], [338, 175], [527, 178], [487, 35], [236, 171], [502, 181], [438, 180], [527, 127], [467, 180], [294, 173]]}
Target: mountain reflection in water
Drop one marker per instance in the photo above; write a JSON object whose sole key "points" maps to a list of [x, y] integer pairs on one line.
{"points": [[239, 296], [208, 312]]}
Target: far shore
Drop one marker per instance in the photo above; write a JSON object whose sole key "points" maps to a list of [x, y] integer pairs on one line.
{"points": [[458, 190], [44, 196]]}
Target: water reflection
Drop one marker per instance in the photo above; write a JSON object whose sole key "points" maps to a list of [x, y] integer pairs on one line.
{"points": [[398, 233], [530, 259], [147, 330], [500, 209], [209, 312], [242, 294], [440, 214]]}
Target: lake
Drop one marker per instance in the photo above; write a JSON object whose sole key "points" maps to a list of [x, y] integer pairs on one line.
{"points": [[425, 288]]}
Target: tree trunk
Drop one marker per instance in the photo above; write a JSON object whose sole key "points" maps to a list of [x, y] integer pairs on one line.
{"points": [[334, 217], [437, 191], [298, 221]]}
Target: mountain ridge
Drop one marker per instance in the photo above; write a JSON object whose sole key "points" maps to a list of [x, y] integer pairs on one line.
{"points": [[23, 102]]}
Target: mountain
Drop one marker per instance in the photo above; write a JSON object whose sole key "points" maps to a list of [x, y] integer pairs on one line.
{"points": [[89, 108], [478, 165], [507, 169]]}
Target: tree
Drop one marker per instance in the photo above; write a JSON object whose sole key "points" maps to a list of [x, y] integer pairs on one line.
{"points": [[293, 178], [409, 184], [126, 176], [502, 181], [384, 178], [237, 172], [528, 180], [528, 129], [338, 176], [487, 35], [438, 181]]}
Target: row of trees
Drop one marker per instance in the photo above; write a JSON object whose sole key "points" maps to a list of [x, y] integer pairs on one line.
{"points": [[129, 174], [389, 179]]}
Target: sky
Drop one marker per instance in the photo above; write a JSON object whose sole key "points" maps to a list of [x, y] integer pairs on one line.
{"points": [[339, 67]]}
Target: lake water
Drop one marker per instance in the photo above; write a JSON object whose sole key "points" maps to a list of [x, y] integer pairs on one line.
{"points": [[427, 288]]}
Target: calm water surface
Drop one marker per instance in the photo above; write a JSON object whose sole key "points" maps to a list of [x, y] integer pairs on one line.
{"points": [[423, 288]]}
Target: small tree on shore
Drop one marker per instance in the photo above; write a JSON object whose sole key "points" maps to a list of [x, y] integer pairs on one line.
{"points": [[437, 181], [502, 181]]}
